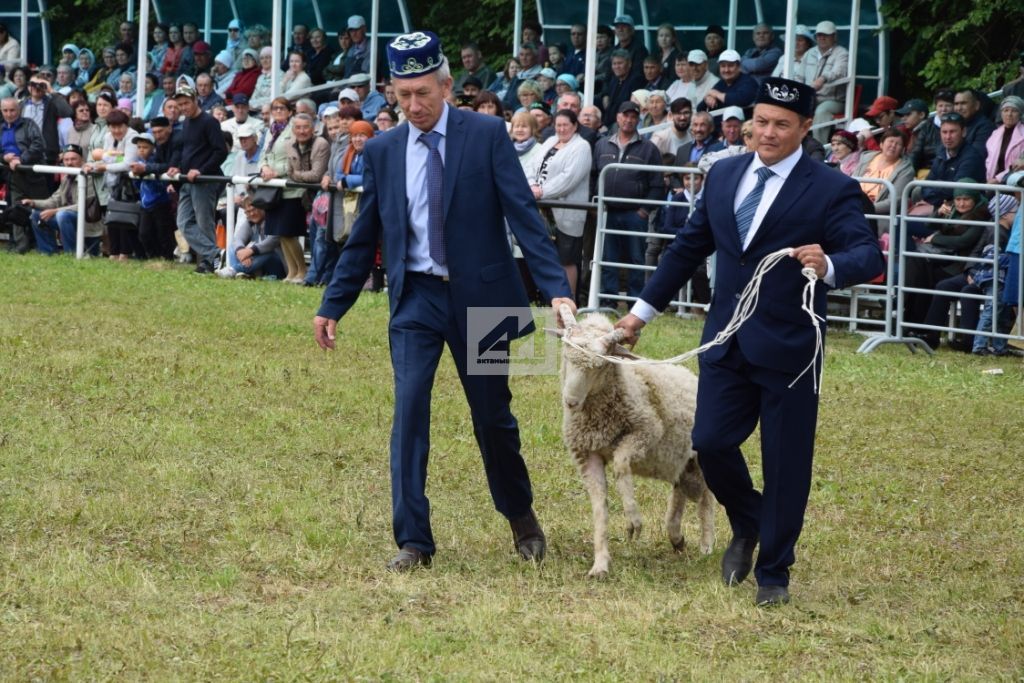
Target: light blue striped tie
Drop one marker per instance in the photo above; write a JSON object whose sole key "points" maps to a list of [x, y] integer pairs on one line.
{"points": [[748, 207], [435, 198]]}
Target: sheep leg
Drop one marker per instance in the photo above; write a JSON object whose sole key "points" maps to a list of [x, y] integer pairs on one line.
{"points": [[706, 514], [674, 517], [624, 483], [594, 480]]}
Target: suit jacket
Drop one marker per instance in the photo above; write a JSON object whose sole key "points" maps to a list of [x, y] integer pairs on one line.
{"points": [[484, 186], [816, 205]]}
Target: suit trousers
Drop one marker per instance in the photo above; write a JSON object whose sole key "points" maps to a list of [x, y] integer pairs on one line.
{"points": [[424, 321], [732, 396]]}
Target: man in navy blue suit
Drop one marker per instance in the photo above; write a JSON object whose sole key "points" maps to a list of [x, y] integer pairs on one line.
{"points": [[752, 206], [437, 191]]}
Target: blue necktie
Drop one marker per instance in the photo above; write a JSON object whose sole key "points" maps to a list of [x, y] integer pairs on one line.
{"points": [[748, 207], [435, 197]]}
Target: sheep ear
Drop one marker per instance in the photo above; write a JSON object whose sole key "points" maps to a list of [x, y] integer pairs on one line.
{"points": [[623, 352], [554, 332]]}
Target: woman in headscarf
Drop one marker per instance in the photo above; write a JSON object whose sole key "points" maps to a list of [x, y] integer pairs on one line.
{"points": [[845, 154], [1006, 143], [244, 81], [86, 67], [261, 91], [100, 75], [158, 46]]}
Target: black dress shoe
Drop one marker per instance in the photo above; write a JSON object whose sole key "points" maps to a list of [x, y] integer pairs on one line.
{"points": [[738, 560], [772, 596], [407, 559], [529, 537]]}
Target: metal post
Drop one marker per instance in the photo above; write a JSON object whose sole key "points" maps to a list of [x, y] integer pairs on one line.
{"points": [[851, 84], [589, 67], [275, 55], [131, 11], [231, 210], [374, 27], [140, 71], [733, 11], [517, 28], [24, 32], [82, 181], [207, 20], [289, 21], [790, 49]]}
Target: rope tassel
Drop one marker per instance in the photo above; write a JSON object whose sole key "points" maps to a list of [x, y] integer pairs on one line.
{"points": [[744, 310]]}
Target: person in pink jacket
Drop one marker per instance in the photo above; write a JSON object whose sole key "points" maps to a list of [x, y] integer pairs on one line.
{"points": [[1005, 147]]}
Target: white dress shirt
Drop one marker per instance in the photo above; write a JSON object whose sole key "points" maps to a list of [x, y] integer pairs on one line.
{"points": [[417, 203]]}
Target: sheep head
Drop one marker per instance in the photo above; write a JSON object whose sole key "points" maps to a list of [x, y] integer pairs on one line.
{"points": [[582, 366]]}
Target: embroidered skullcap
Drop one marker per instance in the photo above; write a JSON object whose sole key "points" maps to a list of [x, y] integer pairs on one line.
{"points": [[415, 54], [792, 95]]}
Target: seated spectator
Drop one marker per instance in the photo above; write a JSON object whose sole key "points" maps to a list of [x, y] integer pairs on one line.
{"points": [[257, 37], [530, 64], [926, 141], [684, 76], [528, 93], [154, 102], [714, 45], [668, 52], [913, 115], [532, 34], [370, 101], [176, 47], [253, 251], [627, 41], [563, 172], [202, 59], [320, 55], [508, 78], [486, 103], [957, 160], [126, 90], [605, 44], [335, 69], [21, 143], [387, 119], [977, 127], [244, 80], [669, 140], [222, 72], [746, 145], [590, 117], [546, 80], [619, 88], [883, 114], [845, 154], [65, 82], [471, 87], [1016, 86], [654, 78], [556, 58], [657, 110], [1006, 143], [357, 57], [295, 78], [732, 130], [702, 138], [566, 83], [235, 44], [734, 88], [123, 65], [158, 45], [575, 57], [890, 163], [57, 216], [86, 67], [473, 65], [10, 48], [206, 96], [101, 74], [804, 64], [261, 91], [541, 114], [760, 60], [832, 66]]}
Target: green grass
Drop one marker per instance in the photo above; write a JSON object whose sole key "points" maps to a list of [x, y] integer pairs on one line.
{"points": [[191, 490]]}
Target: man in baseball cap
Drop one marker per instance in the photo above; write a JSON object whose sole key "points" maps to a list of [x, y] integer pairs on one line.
{"points": [[833, 62], [734, 88]]}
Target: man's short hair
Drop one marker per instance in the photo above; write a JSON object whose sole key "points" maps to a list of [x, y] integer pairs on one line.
{"points": [[622, 54], [679, 104], [471, 45], [651, 59], [528, 46], [350, 112]]}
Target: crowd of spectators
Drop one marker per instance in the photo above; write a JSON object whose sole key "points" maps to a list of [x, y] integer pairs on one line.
{"points": [[209, 111]]}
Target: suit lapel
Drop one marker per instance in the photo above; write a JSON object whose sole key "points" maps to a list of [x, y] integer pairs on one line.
{"points": [[796, 184], [733, 181], [396, 163], [455, 141]]}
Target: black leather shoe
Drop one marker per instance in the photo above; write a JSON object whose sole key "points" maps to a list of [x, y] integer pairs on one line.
{"points": [[529, 537], [407, 559], [738, 560], [772, 596]]}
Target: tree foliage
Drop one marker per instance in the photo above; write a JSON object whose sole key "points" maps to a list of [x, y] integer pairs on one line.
{"points": [[965, 43], [488, 22], [86, 23]]}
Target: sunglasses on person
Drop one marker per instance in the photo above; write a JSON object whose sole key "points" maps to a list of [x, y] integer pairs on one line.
{"points": [[952, 117]]}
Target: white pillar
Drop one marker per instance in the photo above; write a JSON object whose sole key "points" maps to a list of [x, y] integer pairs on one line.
{"points": [[207, 20], [517, 28], [589, 67], [790, 49], [275, 54], [140, 70], [24, 32], [851, 85], [374, 27], [82, 180], [730, 40]]}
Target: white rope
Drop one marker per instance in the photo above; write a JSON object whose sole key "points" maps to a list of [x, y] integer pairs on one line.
{"points": [[744, 310]]}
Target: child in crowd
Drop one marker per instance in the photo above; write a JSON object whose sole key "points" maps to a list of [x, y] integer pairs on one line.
{"points": [[984, 276], [156, 223]]}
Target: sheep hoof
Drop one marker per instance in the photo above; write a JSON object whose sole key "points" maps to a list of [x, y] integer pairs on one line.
{"points": [[598, 573], [633, 529], [707, 545], [680, 545]]}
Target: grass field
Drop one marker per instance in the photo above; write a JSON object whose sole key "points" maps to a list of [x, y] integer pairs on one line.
{"points": [[191, 490]]}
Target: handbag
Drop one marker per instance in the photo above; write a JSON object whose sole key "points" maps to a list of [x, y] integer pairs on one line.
{"points": [[349, 212], [266, 197], [93, 209], [123, 208]]}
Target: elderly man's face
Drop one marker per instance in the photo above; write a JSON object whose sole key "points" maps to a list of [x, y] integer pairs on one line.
{"points": [[731, 130], [527, 57], [570, 102], [204, 86], [825, 41], [71, 159], [620, 67], [161, 134], [627, 122], [299, 34], [422, 99], [171, 109], [624, 33], [470, 59], [590, 118], [763, 36], [729, 71], [189, 33], [652, 71], [10, 110], [701, 128], [966, 104], [203, 59]]}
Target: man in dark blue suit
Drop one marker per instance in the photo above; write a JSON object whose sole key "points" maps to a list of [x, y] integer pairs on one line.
{"points": [[437, 192], [752, 206]]}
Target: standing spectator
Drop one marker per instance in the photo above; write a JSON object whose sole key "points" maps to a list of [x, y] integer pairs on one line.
{"points": [[627, 147], [45, 107], [702, 132], [978, 127], [564, 173], [81, 127], [804, 64], [625, 34], [370, 101], [335, 69], [525, 135], [556, 57], [245, 78], [912, 119], [159, 45], [57, 216], [473, 65], [575, 60], [620, 87], [833, 64], [118, 155], [156, 222], [327, 226], [760, 61], [956, 161], [926, 141], [261, 91], [189, 34], [669, 140], [171, 64], [253, 251], [357, 57], [604, 45], [319, 56], [1006, 143], [202, 153], [21, 143], [714, 45], [734, 88], [295, 78], [127, 35], [10, 48], [206, 96]]}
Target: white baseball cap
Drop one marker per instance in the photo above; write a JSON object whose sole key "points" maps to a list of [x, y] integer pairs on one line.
{"points": [[826, 27], [697, 57], [733, 112], [348, 94], [729, 56]]}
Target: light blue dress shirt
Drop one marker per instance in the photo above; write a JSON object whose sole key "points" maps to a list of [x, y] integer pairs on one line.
{"points": [[416, 154]]}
